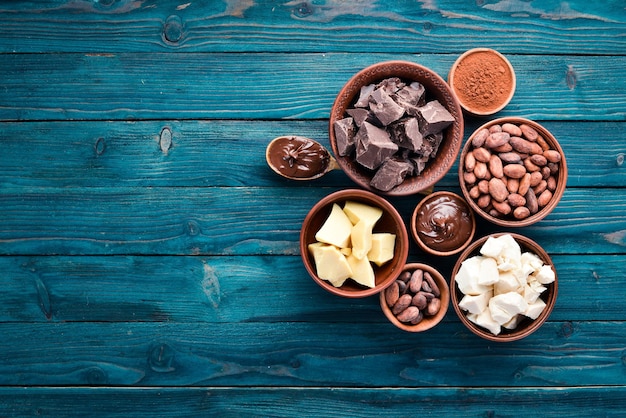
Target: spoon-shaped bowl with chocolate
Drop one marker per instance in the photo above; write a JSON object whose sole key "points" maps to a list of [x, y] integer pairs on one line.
{"points": [[299, 158]]}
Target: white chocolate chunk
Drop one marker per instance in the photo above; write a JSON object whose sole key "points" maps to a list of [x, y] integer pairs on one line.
{"points": [[468, 276], [485, 320], [505, 306], [530, 263], [362, 271], [488, 272], [532, 292], [383, 245], [492, 247], [475, 304], [336, 229], [331, 264], [507, 282], [512, 324], [358, 212], [545, 275], [361, 237], [534, 309]]}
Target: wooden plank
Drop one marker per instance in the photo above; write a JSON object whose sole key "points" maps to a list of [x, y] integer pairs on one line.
{"points": [[224, 153], [135, 86], [220, 221], [211, 290], [286, 354], [565, 402], [453, 25]]}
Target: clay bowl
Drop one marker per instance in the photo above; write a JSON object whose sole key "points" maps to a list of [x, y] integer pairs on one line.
{"points": [[427, 322], [390, 222], [526, 326], [436, 222], [481, 99], [436, 89], [509, 220]]}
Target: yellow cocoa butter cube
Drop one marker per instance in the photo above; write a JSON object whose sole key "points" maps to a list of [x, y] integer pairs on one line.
{"points": [[361, 238], [330, 264], [336, 229], [383, 245], [358, 212], [362, 271]]}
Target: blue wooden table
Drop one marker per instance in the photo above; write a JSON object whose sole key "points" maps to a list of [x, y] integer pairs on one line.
{"points": [[149, 261]]}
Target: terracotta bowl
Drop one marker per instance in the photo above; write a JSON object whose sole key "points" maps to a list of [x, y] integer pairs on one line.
{"points": [[560, 178], [436, 89], [467, 71], [526, 326], [427, 322], [453, 211], [390, 222]]}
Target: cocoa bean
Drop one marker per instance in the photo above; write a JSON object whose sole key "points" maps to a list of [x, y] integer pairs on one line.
{"points": [[495, 128], [551, 181], [415, 284], [544, 198], [392, 294], [515, 171], [512, 185], [498, 190], [428, 295], [502, 208], [474, 192], [521, 212], [545, 172], [405, 276], [554, 168], [542, 143], [510, 157], [535, 178], [469, 178], [409, 314], [503, 148], [512, 129], [481, 154], [470, 161], [419, 301], [531, 201], [479, 138], [497, 139], [538, 189], [433, 307], [515, 200], [539, 160], [481, 171], [401, 286], [552, 156], [432, 283], [529, 132], [521, 145], [483, 186], [524, 184], [419, 318], [495, 166], [401, 304], [483, 201]]}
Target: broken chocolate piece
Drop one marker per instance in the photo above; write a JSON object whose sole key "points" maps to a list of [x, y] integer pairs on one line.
{"points": [[373, 146], [413, 95], [344, 134], [390, 174], [385, 109], [391, 85], [361, 115], [364, 96], [434, 118], [406, 133]]}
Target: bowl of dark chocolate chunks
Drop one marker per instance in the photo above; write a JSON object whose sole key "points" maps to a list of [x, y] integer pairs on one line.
{"points": [[396, 128]]}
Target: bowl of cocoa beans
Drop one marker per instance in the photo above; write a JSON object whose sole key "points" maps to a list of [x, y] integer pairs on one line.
{"points": [[417, 300], [503, 287], [396, 128], [512, 171]]}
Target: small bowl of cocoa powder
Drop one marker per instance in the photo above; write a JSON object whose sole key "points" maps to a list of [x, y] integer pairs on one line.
{"points": [[483, 81], [417, 300], [512, 172]]}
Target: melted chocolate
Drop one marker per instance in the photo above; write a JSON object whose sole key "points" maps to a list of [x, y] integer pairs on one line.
{"points": [[444, 224], [299, 157]]}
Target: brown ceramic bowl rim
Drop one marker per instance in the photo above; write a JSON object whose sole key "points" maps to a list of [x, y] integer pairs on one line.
{"points": [[560, 184], [466, 106], [532, 325], [401, 250], [416, 235], [453, 139], [429, 321]]}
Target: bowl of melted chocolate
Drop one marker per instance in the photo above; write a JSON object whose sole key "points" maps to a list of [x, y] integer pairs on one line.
{"points": [[396, 128], [443, 224]]}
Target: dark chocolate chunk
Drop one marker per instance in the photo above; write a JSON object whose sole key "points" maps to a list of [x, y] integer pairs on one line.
{"points": [[373, 146], [406, 134], [391, 85], [385, 109], [413, 95], [345, 136], [364, 96], [434, 118], [361, 115], [390, 174]]}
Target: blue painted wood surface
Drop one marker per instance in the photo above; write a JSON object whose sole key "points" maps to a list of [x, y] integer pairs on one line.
{"points": [[149, 260]]}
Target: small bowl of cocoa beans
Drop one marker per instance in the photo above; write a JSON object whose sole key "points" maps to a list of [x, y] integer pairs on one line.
{"points": [[512, 171], [417, 300]]}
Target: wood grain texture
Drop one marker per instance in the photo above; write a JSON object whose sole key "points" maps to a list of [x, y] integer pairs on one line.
{"points": [[312, 26], [209, 291], [285, 354], [223, 153], [559, 401], [272, 86]]}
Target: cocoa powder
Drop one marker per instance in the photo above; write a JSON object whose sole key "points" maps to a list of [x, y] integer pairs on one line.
{"points": [[483, 82]]}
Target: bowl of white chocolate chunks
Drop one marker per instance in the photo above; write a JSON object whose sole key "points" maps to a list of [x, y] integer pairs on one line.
{"points": [[503, 287], [396, 128]]}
